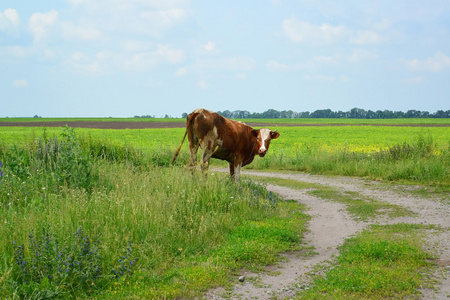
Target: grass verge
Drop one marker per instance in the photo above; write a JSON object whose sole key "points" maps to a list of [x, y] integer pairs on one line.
{"points": [[383, 262]]}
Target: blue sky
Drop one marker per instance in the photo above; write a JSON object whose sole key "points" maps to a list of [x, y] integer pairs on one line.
{"points": [[101, 58]]}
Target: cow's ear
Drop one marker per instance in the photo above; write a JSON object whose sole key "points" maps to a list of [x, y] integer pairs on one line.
{"points": [[255, 132], [274, 134]]}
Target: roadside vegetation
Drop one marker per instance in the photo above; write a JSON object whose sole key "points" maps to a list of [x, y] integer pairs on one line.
{"points": [[82, 218], [383, 261]]}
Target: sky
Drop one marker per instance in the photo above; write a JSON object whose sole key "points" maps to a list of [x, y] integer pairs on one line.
{"points": [[115, 58]]}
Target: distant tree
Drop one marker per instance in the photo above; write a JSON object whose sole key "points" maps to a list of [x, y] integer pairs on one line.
{"points": [[226, 113], [442, 114], [387, 114], [370, 114], [412, 113], [322, 113], [399, 114], [36, 116], [304, 114], [272, 114], [355, 113], [184, 115]]}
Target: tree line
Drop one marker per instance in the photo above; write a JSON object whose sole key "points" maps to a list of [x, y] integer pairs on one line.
{"points": [[354, 113]]}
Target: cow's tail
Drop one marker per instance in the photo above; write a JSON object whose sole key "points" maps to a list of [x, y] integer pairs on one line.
{"points": [[179, 148]]}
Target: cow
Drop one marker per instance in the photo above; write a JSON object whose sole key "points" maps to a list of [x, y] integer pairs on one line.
{"points": [[225, 139]]}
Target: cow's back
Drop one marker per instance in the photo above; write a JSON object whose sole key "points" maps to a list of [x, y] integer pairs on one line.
{"points": [[201, 122]]}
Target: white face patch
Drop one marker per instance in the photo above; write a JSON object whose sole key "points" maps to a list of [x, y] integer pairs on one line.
{"points": [[265, 134]]}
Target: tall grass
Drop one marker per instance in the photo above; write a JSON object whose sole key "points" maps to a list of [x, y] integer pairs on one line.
{"points": [[121, 223], [419, 161]]}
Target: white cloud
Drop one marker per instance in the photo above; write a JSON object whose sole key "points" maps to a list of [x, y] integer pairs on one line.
{"points": [[366, 37], [436, 63], [210, 46], [144, 17], [111, 61], [319, 62], [15, 51], [156, 83], [202, 84], [165, 18], [41, 23], [171, 55], [9, 19], [135, 45], [360, 55], [304, 32], [150, 59], [414, 80], [326, 78], [20, 83], [237, 63], [276, 66], [71, 30], [321, 35], [241, 76], [81, 62], [384, 24], [181, 72]]}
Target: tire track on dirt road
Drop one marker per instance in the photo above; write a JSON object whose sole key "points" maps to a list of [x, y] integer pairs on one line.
{"points": [[330, 225]]}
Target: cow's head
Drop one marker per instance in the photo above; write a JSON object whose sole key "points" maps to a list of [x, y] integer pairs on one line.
{"points": [[263, 138]]}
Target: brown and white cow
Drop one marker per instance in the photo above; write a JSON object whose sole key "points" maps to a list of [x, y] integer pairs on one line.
{"points": [[224, 139]]}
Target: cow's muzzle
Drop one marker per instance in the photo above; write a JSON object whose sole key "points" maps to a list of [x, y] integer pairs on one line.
{"points": [[262, 152]]}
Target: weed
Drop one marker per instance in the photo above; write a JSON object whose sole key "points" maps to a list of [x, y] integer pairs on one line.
{"points": [[51, 267], [48, 267], [127, 264]]}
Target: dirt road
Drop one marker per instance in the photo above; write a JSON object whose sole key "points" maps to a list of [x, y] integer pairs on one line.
{"points": [[331, 225]]}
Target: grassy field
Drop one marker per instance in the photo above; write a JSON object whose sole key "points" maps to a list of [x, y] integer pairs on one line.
{"points": [[99, 213], [409, 154]]}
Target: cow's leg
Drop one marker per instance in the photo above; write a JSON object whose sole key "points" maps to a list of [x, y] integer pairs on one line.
{"points": [[193, 148], [193, 159], [231, 170], [205, 162], [208, 152], [237, 172]]}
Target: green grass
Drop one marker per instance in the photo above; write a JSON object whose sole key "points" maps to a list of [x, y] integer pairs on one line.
{"points": [[188, 233], [383, 262], [415, 155]]}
